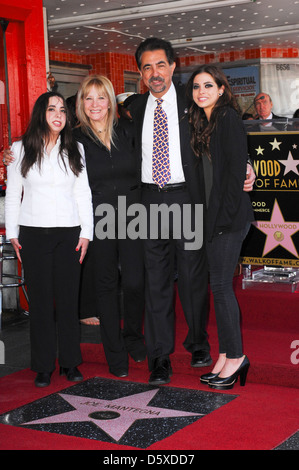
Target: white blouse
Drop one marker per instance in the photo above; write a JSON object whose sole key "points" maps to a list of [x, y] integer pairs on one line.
{"points": [[52, 196]]}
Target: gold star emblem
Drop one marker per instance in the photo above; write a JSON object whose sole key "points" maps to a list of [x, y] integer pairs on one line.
{"points": [[275, 144], [259, 150]]}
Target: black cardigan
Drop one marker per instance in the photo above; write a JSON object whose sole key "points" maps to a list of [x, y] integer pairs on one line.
{"points": [[112, 173], [229, 206]]}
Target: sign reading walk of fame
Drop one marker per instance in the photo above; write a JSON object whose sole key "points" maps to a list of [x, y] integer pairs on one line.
{"points": [[273, 239]]}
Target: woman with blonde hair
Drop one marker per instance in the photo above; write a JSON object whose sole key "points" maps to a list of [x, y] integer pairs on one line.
{"points": [[91, 121], [112, 172]]}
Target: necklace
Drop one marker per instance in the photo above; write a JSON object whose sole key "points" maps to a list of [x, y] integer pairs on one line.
{"points": [[100, 131]]}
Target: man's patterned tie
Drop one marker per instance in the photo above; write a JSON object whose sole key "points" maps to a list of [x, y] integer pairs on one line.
{"points": [[161, 165]]}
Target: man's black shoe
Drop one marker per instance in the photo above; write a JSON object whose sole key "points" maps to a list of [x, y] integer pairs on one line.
{"points": [[122, 372], [72, 374], [161, 373], [43, 379], [201, 358]]}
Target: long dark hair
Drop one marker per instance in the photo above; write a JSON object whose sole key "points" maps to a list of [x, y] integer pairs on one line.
{"points": [[201, 128], [38, 133]]}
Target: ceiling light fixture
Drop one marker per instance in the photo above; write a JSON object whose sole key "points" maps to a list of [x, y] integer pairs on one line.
{"points": [[114, 31]]}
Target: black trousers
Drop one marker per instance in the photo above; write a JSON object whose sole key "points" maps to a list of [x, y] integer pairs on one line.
{"points": [[223, 252], [52, 274], [191, 266], [115, 266]]}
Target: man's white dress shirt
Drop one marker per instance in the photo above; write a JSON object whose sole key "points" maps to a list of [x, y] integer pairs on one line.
{"points": [[170, 107]]}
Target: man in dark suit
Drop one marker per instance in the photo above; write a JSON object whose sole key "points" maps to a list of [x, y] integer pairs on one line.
{"points": [[263, 106], [155, 61]]}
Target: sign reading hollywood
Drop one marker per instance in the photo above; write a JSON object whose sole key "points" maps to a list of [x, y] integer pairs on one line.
{"points": [[274, 236]]}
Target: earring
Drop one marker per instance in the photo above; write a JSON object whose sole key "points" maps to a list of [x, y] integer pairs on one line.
{"points": [[220, 94]]}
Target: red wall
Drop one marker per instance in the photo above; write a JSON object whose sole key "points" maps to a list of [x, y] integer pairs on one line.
{"points": [[111, 64], [25, 51], [26, 59]]}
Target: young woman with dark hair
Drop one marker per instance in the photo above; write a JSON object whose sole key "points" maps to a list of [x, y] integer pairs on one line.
{"points": [[49, 221], [219, 141], [39, 132]]}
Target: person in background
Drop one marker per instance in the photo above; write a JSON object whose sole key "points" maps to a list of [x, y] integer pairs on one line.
{"points": [[263, 106], [122, 110], [247, 117], [219, 141], [295, 126], [49, 221], [71, 104], [113, 172], [184, 186], [127, 104]]}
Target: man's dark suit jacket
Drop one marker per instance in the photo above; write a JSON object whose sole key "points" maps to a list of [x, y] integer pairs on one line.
{"points": [[279, 123]]}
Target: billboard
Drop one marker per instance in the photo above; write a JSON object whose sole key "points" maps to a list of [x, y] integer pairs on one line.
{"points": [[245, 85]]}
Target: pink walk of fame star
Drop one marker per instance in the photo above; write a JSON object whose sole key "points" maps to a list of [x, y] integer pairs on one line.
{"points": [[117, 415], [278, 231]]}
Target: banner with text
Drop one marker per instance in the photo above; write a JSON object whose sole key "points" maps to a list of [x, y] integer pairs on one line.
{"points": [[245, 85]]}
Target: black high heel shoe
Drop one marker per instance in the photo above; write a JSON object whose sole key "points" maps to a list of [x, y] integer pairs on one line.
{"points": [[226, 383], [205, 378]]}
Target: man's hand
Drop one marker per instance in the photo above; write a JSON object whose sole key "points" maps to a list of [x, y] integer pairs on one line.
{"points": [[250, 179], [7, 156]]}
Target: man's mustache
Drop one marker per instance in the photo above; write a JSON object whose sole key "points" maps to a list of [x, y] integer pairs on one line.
{"points": [[156, 79]]}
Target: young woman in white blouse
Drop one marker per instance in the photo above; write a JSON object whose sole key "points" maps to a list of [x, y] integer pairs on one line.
{"points": [[49, 221]]}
